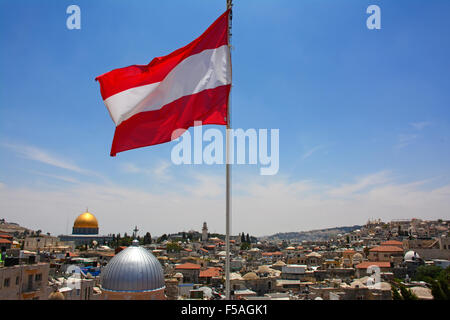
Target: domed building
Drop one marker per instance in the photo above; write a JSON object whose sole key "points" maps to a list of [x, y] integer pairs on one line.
{"points": [[412, 261], [85, 230], [85, 223], [133, 274]]}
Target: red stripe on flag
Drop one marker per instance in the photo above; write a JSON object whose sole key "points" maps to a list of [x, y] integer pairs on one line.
{"points": [[155, 127], [133, 76]]}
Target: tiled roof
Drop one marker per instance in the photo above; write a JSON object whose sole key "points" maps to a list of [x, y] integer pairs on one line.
{"points": [[386, 249], [366, 264], [210, 272], [392, 243], [188, 265], [276, 253], [4, 241]]}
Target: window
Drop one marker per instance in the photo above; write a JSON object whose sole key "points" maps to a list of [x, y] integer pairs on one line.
{"points": [[38, 277], [6, 283], [17, 281]]}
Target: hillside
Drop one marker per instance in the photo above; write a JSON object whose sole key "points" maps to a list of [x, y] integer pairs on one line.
{"points": [[313, 235]]}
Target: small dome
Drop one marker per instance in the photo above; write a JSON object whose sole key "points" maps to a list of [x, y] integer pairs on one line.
{"points": [[250, 276], [133, 269], [357, 257], [263, 269], [56, 295], [86, 220], [411, 256]]}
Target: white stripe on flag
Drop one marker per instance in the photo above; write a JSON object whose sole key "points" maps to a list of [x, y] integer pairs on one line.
{"points": [[208, 69]]}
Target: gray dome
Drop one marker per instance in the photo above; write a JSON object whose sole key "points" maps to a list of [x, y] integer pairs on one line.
{"points": [[133, 269]]}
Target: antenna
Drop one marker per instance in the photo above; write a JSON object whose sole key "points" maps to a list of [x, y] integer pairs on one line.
{"points": [[135, 231]]}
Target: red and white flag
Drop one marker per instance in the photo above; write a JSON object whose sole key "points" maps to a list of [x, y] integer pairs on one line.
{"points": [[149, 102]]}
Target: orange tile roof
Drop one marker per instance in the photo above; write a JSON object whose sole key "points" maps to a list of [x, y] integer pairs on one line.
{"points": [[6, 236], [349, 251], [190, 266], [366, 264], [276, 253], [210, 272], [5, 241], [71, 254], [386, 249]]}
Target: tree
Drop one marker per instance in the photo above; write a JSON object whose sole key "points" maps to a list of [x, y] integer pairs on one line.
{"points": [[242, 238], [407, 294], [366, 251], [147, 238], [395, 294], [247, 239], [424, 272], [162, 238], [437, 290], [245, 246], [173, 247]]}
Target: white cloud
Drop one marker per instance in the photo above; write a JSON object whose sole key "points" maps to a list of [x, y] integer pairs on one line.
{"points": [[406, 139], [311, 151], [58, 177], [361, 184], [159, 171], [40, 155], [420, 125], [260, 205]]}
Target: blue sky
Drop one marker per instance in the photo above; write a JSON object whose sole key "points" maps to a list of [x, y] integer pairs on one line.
{"points": [[363, 115]]}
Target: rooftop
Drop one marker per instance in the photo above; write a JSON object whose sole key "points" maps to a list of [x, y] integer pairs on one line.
{"points": [[386, 249], [367, 264], [188, 265]]}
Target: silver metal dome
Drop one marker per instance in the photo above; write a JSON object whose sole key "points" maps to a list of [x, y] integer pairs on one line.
{"points": [[134, 269]]}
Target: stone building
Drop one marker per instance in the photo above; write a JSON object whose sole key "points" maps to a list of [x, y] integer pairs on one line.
{"points": [[24, 282]]}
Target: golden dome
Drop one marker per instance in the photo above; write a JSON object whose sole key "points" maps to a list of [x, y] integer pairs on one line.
{"points": [[86, 220]]}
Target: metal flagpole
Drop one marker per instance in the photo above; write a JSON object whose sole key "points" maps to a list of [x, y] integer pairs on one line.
{"points": [[228, 172]]}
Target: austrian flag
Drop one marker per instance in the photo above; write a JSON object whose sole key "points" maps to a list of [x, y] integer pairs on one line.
{"points": [[149, 102]]}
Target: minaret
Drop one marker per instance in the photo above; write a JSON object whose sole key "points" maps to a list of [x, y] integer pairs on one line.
{"points": [[204, 232]]}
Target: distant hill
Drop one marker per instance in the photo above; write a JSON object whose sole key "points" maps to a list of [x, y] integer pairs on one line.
{"points": [[313, 235], [11, 227]]}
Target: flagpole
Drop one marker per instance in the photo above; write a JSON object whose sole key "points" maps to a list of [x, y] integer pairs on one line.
{"points": [[228, 173]]}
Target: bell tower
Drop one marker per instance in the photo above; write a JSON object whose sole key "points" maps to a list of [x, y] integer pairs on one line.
{"points": [[205, 232]]}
